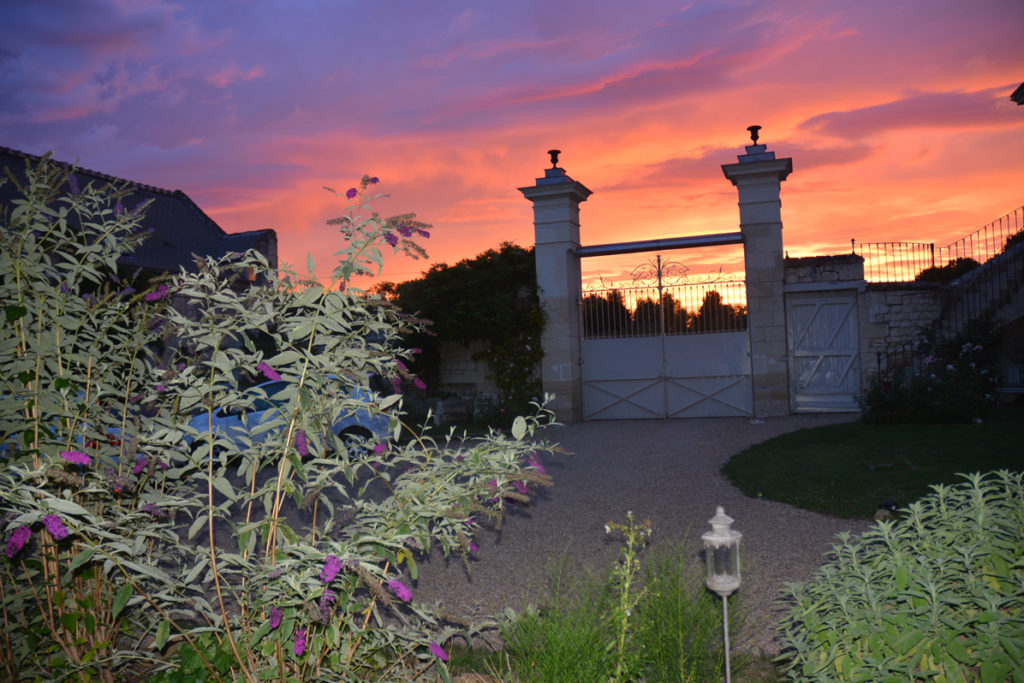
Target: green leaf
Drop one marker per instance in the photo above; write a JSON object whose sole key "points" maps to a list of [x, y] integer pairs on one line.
{"points": [[15, 312], [69, 620], [519, 428], [196, 526], [81, 558], [163, 631], [66, 506], [224, 486], [390, 401], [121, 599], [901, 577], [956, 648]]}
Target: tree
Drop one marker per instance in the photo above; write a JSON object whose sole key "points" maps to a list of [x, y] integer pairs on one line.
{"points": [[491, 298], [715, 315], [606, 315]]}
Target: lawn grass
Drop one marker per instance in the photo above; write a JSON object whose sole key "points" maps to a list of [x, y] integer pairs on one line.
{"points": [[847, 470]]}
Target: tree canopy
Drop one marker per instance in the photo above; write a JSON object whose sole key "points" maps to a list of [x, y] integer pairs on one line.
{"points": [[491, 298]]}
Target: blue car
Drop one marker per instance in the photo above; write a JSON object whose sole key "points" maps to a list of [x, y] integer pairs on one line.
{"points": [[241, 425]]}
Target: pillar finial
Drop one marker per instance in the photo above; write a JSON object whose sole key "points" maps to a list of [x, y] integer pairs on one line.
{"points": [[554, 157], [753, 132]]}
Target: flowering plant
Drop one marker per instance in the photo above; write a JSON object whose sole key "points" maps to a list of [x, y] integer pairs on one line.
{"points": [[287, 553]]}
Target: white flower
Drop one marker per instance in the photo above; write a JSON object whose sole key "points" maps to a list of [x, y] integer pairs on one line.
{"points": [[607, 529]]}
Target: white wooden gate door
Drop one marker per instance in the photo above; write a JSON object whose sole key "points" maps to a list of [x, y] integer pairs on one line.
{"points": [[824, 354]]}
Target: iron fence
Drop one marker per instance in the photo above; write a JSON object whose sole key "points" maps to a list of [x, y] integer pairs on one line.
{"points": [[983, 270], [909, 261], [652, 310]]}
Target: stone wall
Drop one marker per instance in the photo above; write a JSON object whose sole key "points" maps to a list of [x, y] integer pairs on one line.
{"points": [[825, 269], [894, 314], [461, 375]]}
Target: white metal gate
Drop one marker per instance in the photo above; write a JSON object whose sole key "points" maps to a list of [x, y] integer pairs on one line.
{"points": [[666, 346], [823, 339], [698, 375]]}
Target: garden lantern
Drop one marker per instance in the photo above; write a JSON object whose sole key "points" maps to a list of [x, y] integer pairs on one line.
{"points": [[722, 554]]}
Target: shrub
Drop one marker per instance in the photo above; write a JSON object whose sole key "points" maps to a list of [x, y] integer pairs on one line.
{"points": [[936, 595], [946, 274], [955, 382], [137, 547]]}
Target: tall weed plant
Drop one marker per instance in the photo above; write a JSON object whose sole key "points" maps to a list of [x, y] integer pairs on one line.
{"points": [[137, 546], [652, 620]]}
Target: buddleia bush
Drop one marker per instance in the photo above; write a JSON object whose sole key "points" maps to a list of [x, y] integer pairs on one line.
{"points": [[936, 595], [140, 547]]}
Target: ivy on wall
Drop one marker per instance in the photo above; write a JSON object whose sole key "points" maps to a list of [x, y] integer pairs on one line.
{"points": [[491, 298]]}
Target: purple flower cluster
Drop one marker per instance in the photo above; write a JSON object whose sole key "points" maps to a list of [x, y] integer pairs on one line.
{"points": [[56, 527], [268, 372], [153, 509], [301, 443], [379, 447], [391, 238], [420, 384], [140, 466], [438, 651], [300, 642], [275, 617], [157, 294], [401, 590], [76, 458], [536, 463], [332, 565], [18, 540], [352, 192]]}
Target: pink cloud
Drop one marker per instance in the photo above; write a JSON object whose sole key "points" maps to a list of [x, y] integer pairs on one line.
{"points": [[982, 108], [222, 78]]}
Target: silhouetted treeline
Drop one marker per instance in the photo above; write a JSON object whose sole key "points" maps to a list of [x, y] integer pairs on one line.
{"points": [[607, 315]]}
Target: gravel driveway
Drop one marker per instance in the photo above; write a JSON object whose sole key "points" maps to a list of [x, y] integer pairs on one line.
{"points": [[664, 470]]}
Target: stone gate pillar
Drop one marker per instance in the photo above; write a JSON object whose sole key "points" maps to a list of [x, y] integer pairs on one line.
{"points": [[758, 177], [556, 223]]}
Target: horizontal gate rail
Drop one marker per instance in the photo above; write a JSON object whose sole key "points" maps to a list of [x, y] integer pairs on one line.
{"points": [[717, 240]]}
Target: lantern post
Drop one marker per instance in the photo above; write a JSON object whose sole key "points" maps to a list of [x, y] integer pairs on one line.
{"points": [[722, 557]]}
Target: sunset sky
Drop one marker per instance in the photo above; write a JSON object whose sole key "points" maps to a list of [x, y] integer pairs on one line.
{"points": [[896, 114]]}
